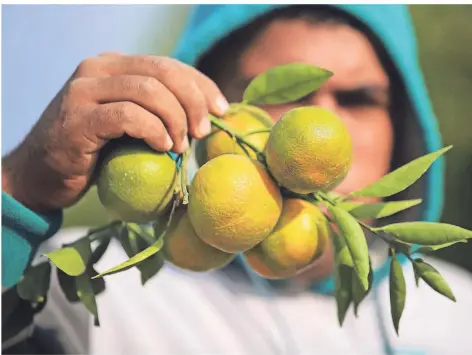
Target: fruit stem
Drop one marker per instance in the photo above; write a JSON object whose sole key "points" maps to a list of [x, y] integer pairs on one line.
{"points": [[265, 130], [184, 176], [224, 127]]}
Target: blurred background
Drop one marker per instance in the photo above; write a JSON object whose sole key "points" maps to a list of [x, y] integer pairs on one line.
{"points": [[42, 45]]}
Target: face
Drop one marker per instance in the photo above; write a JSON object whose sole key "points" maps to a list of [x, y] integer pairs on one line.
{"points": [[358, 91]]}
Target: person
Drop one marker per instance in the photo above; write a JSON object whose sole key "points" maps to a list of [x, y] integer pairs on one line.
{"points": [[379, 92]]}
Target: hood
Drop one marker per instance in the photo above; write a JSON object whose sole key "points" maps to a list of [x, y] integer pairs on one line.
{"points": [[392, 26]]}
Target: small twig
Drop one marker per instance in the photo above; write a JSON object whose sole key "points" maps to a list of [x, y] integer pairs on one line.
{"points": [[184, 176], [224, 127], [265, 130]]}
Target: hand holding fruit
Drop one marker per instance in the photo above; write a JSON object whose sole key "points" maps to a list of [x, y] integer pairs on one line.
{"points": [[156, 99]]}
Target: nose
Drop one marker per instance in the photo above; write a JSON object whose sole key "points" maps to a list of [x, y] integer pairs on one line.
{"points": [[326, 100]]}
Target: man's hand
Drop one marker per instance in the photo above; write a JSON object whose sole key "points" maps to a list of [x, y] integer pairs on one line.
{"points": [[157, 99]]}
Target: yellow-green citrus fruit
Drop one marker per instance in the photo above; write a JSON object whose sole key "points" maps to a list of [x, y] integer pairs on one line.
{"points": [[234, 203], [136, 183], [300, 237], [309, 149], [184, 249], [242, 119]]}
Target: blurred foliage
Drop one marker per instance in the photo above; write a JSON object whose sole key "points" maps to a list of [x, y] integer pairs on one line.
{"points": [[444, 36]]}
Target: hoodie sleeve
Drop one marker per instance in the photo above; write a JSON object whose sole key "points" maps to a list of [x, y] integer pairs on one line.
{"points": [[22, 232]]}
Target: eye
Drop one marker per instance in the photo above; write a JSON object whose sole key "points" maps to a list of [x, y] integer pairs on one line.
{"points": [[361, 98]]}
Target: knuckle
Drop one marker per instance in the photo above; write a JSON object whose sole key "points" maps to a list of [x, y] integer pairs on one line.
{"points": [[88, 66], [148, 86], [124, 111], [77, 87], [164, 65]]}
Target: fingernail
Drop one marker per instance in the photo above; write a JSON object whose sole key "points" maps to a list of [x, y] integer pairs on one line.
{"points": [[204, 128], [168, 142], [222, 105]]}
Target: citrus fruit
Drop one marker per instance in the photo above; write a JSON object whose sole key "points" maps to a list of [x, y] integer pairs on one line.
{"points": [[136, 183], [242, 119], [309, 149], [234, 203], [184, 249], [300, 237]]}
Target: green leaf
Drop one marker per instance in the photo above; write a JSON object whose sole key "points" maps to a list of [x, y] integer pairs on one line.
{"points": [[34, 284], [343, 275], [86, 294], [358, 293], [150, 267], [141, 256], [355, 241], [102, 247], [433, 278], [401, 178], [72, 259], [426, 233], [143, 232], [397, 291], [417, 276], [430, 248], [132, 246], [68, 284], [285, 83], [377, 210]]}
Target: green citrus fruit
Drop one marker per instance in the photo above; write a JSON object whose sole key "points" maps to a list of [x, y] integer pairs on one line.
{"points": [[309, 149], [234, 203], [136, 183]]}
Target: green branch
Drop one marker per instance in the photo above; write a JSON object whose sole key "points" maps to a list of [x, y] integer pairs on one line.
{"points": [[240, 138]]}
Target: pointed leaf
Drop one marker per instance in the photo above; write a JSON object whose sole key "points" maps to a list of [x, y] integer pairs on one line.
{"points": [[426, 233], [401, 178], [150, 267], [433, 278], [123, 237], [397, 291], [143, 232], [151, 250], [285, 83], [34, 284], [72, 259], [67, 284], [86, 294], [100, 250], [343, 275], [377, 210], [69, 288], [355, 241], [430, 248], [358, 293], [417, 276]]}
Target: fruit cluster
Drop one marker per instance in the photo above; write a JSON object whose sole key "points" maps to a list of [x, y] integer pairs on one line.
{"points": [[237, 200]]}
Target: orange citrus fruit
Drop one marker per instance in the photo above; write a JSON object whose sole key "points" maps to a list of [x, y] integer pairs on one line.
{"points": [[300, 237], [184, 249], [234, 203], [309, 149], [136, 183], [242, 119]]}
